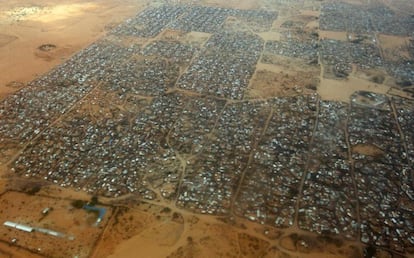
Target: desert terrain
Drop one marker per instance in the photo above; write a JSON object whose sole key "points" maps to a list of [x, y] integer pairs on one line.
{"points": [[68, 26], [189, 167]]}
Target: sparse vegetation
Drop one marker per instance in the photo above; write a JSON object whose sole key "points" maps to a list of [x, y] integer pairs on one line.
{"points": [[94, 201], [78, 204], [166, 210], [378, 79], [33, 190]]}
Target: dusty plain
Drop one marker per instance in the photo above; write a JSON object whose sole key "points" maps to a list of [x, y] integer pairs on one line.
{"points": [[68, 25], [139, 227]]}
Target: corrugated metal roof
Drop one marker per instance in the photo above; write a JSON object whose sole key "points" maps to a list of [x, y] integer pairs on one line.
{"points": [[18, 226]]}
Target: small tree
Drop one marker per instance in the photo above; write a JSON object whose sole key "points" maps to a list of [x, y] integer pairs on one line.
{"points": [[94, 201], [78, 204]]}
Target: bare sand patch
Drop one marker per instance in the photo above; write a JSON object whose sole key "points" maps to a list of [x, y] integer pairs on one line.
{"points": [[268, 84], [337, 35], [6, 39], [270, 35], [341, 90], [9, 251], [394, 48], [367, 149], [312, 25], [314, 13], [196, 38]]}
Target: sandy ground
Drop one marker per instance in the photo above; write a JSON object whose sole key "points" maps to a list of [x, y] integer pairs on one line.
{"points": [[155, 229], [394, 47], [70, 25], [132, 228], [341, 90], [285, 79], [8, 251], [337, 35], [183, 234], [76, 225]]}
